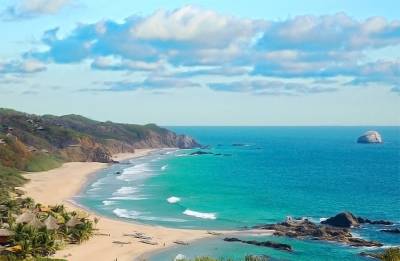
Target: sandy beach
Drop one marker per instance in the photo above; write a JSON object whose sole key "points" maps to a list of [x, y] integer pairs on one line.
{"points": [[59, 185]]}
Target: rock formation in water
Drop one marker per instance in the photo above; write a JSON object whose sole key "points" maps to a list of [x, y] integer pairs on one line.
{"points": [[370, 137], [279, 246], [348, 220], [305, 229]]}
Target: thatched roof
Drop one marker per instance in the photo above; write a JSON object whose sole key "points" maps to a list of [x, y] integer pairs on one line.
{"points": [[25, 217], [6, 232], [73, 222], [36, 223], [51, 223]]}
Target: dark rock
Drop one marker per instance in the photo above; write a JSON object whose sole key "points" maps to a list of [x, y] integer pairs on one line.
{"points": [[279, 246], [344, 219], [374, 222], [200, 152], [305, 229], [347, 219], [393, 231]]}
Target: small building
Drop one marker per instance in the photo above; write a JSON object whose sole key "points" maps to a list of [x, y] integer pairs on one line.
{"points": [[74, 221], [51, 223], [5, 235], [25, 217]]}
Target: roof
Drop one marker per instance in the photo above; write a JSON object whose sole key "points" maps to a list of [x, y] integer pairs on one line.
{"points": [[73, 222], [36, 223], [25, 217], [51, 223], [6, 232]]}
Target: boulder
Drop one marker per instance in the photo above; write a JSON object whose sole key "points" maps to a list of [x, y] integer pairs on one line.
{"points": [[344, 219], [370, 137], [200, 152]]}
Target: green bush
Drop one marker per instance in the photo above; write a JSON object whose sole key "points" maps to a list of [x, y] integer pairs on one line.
{"points": [[42, 162], [391, 254]]}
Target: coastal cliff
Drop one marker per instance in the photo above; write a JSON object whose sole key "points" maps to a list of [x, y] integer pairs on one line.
{"points": [[26, 137]]}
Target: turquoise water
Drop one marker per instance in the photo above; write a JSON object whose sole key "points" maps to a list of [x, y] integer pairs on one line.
{"points": [[312, 172]]}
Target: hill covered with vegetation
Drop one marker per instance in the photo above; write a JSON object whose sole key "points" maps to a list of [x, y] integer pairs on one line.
{"points": [[33, 143]]}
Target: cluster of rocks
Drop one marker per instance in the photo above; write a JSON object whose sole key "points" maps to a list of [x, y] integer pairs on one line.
{"points": [[347, 219], [335, 229], [202, 152], [279, 246]]}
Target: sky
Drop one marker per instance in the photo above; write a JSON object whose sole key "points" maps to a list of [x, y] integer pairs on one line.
{"points": [[208, 63]]}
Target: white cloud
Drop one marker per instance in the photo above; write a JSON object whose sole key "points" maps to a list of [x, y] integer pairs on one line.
{"points": [[22, 67], [31, 8], [198, 26]]}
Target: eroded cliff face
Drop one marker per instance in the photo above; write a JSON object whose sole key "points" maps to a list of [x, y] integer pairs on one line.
{"points": [[87, 149]]}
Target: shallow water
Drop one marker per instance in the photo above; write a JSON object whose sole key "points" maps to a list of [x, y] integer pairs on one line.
{"points": [[263, 175]]}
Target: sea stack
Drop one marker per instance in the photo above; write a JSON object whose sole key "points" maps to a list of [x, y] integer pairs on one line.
{"points": [[370, 137]]}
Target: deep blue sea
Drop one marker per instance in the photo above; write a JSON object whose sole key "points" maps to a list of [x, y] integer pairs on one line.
{"points": [[262, 175]]}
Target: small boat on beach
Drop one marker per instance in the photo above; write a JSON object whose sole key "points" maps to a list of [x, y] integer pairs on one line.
{"points": [[148, 242], [180, 242]]}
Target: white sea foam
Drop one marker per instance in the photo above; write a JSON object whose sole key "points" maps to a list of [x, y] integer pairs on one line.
{"points": [[136, 172], [138, 197], [93, 189], [125, 191], [98, 183], [108, 202], [164, 167], [322, 219], [132, 214], [173, 200], [202, 215], [121, 212]]}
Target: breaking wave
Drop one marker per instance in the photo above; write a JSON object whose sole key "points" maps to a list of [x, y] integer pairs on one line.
{"points": [[125, 191], [108, 202], [173, 200], [132, 214], [202, 215]]}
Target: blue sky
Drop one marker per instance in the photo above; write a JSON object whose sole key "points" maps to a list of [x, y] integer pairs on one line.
{"points": [[204, 62]]}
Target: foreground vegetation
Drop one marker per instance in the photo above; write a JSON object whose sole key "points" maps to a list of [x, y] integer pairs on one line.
{"points": [[37, 231], [30, 231]]}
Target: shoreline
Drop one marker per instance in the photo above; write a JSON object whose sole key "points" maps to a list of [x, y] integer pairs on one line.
{"points": [[60, 185]]}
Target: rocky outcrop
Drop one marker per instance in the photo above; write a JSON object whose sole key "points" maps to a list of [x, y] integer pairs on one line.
{"points": [[186, 142], [344, 219], [279, 246], [305, 229], [370, 137], [348, 220], [200, 152]]}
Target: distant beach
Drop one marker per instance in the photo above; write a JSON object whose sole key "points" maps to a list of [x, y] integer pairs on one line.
{"points": [[59, 185]]}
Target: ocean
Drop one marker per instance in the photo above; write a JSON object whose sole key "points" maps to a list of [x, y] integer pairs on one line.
{"points": [[258, 175]]}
